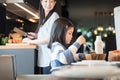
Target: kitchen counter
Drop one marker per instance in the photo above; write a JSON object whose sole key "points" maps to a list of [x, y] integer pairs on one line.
{"points": [[25, 56], [18, 46]]}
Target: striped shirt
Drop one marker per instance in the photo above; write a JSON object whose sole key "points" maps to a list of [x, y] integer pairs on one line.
{"points": [[61, 56]]}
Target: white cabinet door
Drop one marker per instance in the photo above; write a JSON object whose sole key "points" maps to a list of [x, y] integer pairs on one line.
{"points": [[117, 25]]}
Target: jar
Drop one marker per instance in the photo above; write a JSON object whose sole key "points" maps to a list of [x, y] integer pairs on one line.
{"points": [[98, 45]]}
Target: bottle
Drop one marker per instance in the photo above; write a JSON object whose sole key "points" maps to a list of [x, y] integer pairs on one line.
{"points": [[98, 45]]}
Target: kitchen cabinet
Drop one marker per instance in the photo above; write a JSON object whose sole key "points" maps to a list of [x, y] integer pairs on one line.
{"points": [[24, 57], [117, 25]]}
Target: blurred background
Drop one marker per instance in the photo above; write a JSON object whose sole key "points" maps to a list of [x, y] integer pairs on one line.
{"points": [[90, 17]]}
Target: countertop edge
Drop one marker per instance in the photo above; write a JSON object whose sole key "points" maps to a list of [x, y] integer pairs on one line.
{"points": [[19, 47]]}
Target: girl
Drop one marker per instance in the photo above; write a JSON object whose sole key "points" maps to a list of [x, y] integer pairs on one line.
{"points": [[47, 18], [61, 36]]}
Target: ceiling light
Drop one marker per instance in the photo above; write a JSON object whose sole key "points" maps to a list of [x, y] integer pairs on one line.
{"points": [[36, 16], [4, 4], [33, 20], [19, 20]]}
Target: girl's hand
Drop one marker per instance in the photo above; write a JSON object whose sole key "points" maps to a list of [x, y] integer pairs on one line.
{"points": [[81, 40]]}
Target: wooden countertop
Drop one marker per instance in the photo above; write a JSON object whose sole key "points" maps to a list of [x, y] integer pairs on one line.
{"points": [[18, 46]]}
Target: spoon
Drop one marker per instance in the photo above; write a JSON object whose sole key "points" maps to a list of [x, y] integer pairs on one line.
{"points": [[91, 50]]}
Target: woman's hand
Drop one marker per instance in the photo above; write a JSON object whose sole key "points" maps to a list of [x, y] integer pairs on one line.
{"points": [[26, 40], [32, 35], [81, 40]]}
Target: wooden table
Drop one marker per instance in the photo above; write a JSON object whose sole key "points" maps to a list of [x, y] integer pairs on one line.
{"points": [[77, 72], [52, 77], [49, 77]]}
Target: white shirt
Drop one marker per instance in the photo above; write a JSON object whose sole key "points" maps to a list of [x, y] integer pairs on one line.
{"points": [[44, 52]]}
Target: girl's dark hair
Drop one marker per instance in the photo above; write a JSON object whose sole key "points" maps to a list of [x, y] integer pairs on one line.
{"points": [[59, 30]]}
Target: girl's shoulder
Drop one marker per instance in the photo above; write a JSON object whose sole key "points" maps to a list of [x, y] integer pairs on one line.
{"points": [[56, 43], [57, 46]]}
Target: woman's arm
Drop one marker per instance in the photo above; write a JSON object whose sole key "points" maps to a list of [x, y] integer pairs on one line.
{"points": [[35, 41]]}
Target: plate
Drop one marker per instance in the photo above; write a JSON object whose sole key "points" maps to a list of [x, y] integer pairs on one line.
{"points": [[92, 63], [79, 64]]}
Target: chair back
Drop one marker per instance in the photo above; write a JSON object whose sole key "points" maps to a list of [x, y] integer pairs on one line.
{"points": [[7, 67]]}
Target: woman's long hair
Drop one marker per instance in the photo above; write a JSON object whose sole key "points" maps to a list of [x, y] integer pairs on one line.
{"points": [[43, 19], [59, 30]]}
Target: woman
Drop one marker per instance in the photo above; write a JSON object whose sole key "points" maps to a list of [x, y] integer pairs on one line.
{"points": [[47, 18], [61, 36]]}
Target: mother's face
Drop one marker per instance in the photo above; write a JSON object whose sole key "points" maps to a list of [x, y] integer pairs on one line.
{"points": [[48, 5]]}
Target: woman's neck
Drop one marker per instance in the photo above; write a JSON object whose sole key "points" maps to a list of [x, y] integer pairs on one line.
{"points": [[46, 13]]}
